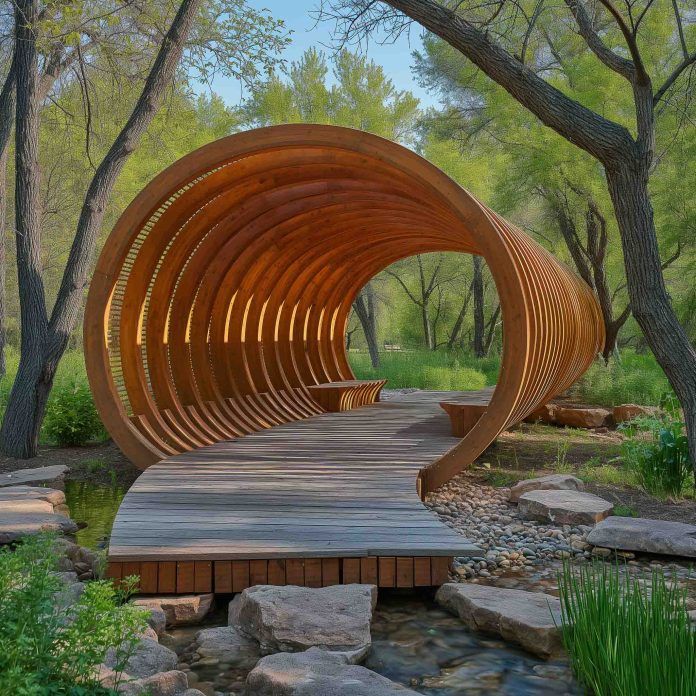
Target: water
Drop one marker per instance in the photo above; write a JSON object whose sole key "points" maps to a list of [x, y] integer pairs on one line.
{"points": [[96, 507]]}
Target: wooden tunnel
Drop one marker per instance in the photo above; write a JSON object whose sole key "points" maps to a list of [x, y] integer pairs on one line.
{"points": [[224, 290]]}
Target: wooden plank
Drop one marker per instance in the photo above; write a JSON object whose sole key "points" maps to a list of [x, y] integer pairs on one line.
{"points": [[404, 571], [258, 572], [185, 576], [148, 577], [203, 576], [294, 571], [130, 569], [421, 571], [276, 572], [351, 570], [312, 568], [240, 576], [330, 571], [368, 570], [439, 569], [166, 577], [387, 571], [113, 570], [222, 574]]}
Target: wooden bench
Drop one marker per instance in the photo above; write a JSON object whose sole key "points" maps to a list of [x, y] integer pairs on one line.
{"points": [[342, 396], [463, 416]]}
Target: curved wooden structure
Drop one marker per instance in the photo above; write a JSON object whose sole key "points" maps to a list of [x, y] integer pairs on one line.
{"points": [[224, 290]]}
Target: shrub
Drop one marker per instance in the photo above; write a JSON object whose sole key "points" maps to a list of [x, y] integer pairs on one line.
{"points": [[627, 635], [658, 451], [71, 417], [48, 650]]}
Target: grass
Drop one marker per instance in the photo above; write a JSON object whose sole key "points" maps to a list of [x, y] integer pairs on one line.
{"points": [[627, 635]]}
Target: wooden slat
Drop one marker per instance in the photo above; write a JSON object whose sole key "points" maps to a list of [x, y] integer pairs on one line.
{"points": [[351, 571], [368, 571], [258, 572], [185, 576], [203, 576], [166, 577], [113, 570], [421, 571], [149, 571], [312, 567], [130, 568], [439, 569], [387, 571], [222, 574], [240, 576], [404, 572], [294, 571], [276, 572], [330, 574]]}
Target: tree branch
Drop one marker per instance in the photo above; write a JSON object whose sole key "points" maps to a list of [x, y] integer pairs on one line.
{"points": [[674, 76]]}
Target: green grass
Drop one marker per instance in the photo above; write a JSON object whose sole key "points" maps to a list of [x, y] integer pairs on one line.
{"points": [[627, 636]]}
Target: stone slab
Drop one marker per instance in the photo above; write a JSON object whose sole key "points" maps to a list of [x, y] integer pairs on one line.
{"points": [[15, 525], [50, 495], [553, 482], [42, 474], [564, 507]]}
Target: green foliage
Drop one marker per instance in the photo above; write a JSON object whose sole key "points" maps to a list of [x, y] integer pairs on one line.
{"points": [[597, 472], [627, 635], [625, 511], [422, 369], [658, 451], [71, 418], [49, 649]]}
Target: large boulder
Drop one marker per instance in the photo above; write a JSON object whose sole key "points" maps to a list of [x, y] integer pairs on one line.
{"points": [[15, 525], [317, 673], [628, 412], [179, 610], [171, 683], [52, 476], [553, 482], [576, 417], [543, 414], [293, 618], [646, 536], [229, 645], [564, 507], [531, 619], [148, 658]]}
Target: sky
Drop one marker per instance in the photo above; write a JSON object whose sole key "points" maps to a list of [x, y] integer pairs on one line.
{"points": [[395, 58]]}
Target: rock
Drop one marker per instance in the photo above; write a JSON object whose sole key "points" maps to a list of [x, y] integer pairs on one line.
{"points": [[171, 683], [51, 476], [335, 618], [10, 494], [157, 620], [627, 412], [564, 507], [15, 525], [149, 657], [582, 417], [645, 535], [227, 644], [553, 482], [544, 414], [317, 673], [26, 505], [531, 619], [180, 610]]}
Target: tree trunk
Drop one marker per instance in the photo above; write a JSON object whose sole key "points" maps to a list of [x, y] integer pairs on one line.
{"points": [[34, 379], [650, 303], [479, 321], [456, 329], [364, 307], [427, 326], [43, 341]]}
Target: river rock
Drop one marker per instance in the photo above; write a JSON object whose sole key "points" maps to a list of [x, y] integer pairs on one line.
{"points": [[582, 417], [627, 412], [531, 619], [14, 525], [645, 535], [51, 476], [10, 494], [171, 683], [318, 673], [180, 610], [335, 618], [564, 507], [227, 644], [553, 482], [149, 657]]}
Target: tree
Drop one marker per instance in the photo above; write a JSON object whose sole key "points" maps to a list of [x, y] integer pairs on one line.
{"points": [[45, 336], [364, 308], [509, 43]]}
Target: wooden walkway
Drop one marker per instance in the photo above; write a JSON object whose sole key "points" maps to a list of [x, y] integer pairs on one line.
{"points": [[314, 502]]}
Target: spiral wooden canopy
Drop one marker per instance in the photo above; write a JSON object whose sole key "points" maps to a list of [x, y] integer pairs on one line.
{"points": [[224, 290]]}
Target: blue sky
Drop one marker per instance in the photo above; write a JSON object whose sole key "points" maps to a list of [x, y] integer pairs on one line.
{"points": [[298, 15]]}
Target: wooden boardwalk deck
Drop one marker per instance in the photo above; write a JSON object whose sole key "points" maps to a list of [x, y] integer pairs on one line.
{"points": [[319, 501]]}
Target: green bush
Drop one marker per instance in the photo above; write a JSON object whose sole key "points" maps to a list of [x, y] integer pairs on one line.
{"points": [[658, 451], [626, 635], [71, 418], [48, 650]]}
